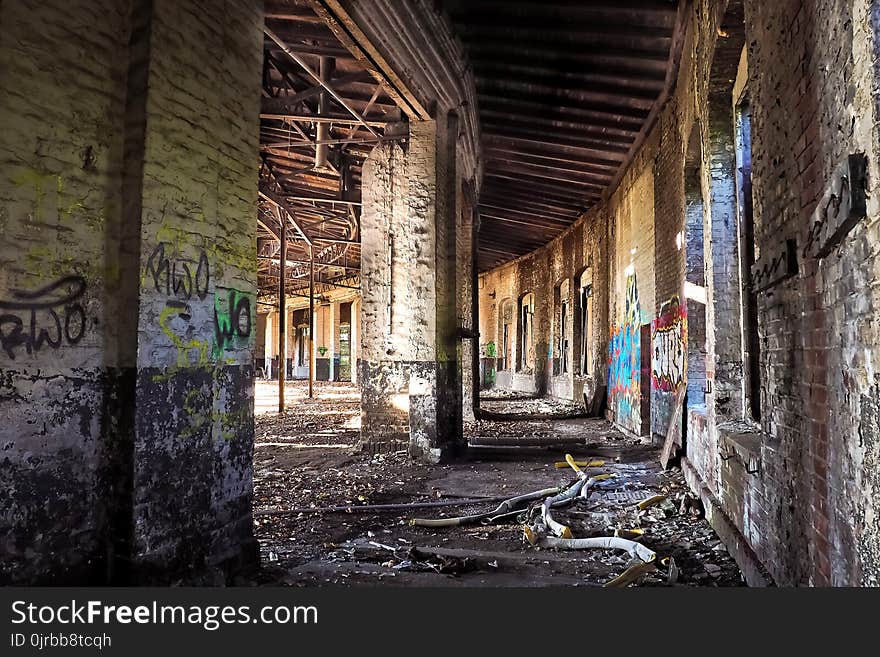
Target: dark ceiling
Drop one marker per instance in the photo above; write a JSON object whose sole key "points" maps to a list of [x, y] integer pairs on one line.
{"points": [[565, 89]]}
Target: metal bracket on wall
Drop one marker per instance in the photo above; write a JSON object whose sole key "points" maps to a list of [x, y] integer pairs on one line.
{"points": [[751, 465], [775, 266], [843, 205]]}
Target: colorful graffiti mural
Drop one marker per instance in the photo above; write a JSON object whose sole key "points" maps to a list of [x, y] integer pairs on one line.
{"points": [[669, 347], [624, 362]]}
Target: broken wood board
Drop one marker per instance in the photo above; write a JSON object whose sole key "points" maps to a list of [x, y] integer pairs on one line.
{"points": [[669, 443]]}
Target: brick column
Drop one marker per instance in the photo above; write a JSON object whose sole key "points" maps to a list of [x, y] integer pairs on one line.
{"points": [[194, 147], [410, 391], [723, 280], [466, 238]]}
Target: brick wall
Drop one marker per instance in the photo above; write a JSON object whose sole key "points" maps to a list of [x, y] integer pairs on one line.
{"points": [[817, 487], [540, 273], [800, 489]]}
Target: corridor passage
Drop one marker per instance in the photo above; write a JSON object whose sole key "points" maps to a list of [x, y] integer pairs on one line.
{"points": [[308, 463], [270, 266]]}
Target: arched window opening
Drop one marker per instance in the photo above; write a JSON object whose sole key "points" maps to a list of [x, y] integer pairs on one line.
{"points": [[563, 292], [585, 296], [505, 335], [527, 332]]}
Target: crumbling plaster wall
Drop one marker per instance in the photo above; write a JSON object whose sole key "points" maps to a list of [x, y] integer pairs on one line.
{"points": [[195, 366], [408, 363], [130, 142], [60, 205]]}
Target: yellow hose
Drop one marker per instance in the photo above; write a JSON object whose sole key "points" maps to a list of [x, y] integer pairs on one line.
{"points": [[631, 534], [574, 466], [630, 575], [582, 464], [651, 501]]}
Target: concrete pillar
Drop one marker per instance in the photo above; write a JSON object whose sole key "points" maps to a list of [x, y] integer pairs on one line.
{"points": [[465, 248], [269, 344], [128, 426], [331, 343], [355, 339], [196, 209], [410, 390]]}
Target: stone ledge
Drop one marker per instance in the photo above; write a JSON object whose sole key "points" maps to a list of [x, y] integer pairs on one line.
{"points": [[743, 440]]}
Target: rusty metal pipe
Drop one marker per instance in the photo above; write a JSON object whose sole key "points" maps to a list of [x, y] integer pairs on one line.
{"points": [[325, 70]]}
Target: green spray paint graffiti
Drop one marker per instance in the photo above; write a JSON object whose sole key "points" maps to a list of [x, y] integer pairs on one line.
{"points": [[233, 315]]}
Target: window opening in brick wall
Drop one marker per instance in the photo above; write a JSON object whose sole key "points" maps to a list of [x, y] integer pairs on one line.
{"points": [[585, 298], [302, 340], [560, 362], [695, 271], [527, 332], [506, 337], [745, 213]]}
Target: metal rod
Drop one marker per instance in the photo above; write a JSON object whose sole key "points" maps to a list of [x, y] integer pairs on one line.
{"points": [[282, 145], [376, 94], [330, 240], [320, 118], [311, 321], [320, 199], [299, 60], [369, 508], [279, 202], [325, 70], [322, 265], [282, 308]]}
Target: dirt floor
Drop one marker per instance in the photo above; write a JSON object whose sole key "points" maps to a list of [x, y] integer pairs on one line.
{"points": [[309, 458]]}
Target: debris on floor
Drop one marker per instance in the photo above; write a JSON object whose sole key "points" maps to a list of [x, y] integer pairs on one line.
{"points": [[505, 405], [378, 543]]}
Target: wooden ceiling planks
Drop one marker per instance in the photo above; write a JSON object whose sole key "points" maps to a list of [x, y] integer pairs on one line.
{"points": [[567, 89]]}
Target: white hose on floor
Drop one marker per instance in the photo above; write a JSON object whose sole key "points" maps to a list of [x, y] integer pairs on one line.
{"points": [[636, 550], [557, 528]]}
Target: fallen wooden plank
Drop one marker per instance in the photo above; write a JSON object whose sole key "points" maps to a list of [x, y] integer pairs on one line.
{"points": [[669, 443]]}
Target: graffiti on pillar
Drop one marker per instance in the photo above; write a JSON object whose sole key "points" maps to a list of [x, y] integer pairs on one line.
{"points": [[50, 316], [175, 322], [669, 340], [624, 362], [175, 277], [232, 320]]}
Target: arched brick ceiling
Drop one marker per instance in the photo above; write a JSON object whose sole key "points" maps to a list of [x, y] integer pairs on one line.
{"points": [[566, 92]]}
